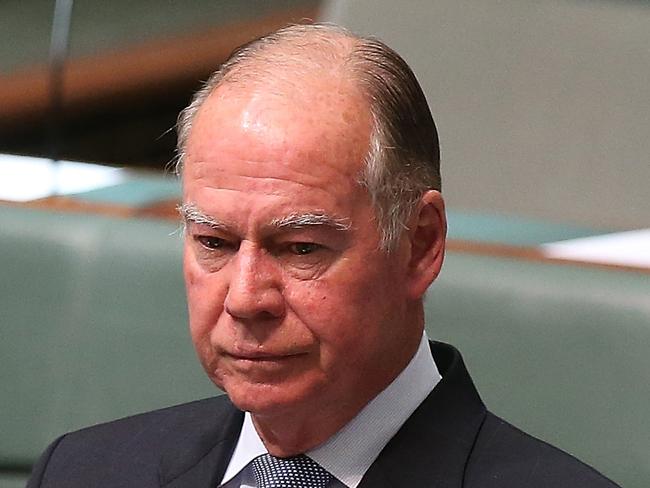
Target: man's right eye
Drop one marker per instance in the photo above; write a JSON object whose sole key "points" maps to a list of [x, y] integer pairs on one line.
{"points": [[210, 242]]}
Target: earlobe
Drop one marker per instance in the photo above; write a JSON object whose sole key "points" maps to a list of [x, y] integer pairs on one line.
{"points": [[427, 234]]}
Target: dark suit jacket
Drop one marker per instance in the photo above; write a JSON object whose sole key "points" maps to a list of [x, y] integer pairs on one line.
{"points": [[451, 440]]}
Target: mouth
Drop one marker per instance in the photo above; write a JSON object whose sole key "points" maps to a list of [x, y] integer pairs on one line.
{"points": [[261, 367], [258, 356]]}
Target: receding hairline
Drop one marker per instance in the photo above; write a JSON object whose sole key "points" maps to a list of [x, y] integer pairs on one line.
{"points": [[288, 72], [249, 76], [310, 49]]}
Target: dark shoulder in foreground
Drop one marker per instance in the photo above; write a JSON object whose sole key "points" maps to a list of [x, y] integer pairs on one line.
{"points": [[504, 456], [128, 452]]}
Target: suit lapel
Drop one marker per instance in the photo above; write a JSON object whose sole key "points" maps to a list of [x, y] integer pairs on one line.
{"points": [[433, 445], [199, 456]]}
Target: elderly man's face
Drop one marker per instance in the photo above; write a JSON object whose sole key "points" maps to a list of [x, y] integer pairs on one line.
{"points": [[292, 306]]}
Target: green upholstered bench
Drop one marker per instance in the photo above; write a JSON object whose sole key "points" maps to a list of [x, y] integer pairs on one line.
{"points": [[13, 480], [93, 325], [561, 351], [94, 328]]}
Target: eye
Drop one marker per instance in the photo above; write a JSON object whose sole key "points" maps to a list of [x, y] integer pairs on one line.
{"points": [[210, 242], [304, 248]]}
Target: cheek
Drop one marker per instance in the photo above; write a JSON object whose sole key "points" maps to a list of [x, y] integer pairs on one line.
{"points": [[334, 314], [352, 309], [205, 298]]}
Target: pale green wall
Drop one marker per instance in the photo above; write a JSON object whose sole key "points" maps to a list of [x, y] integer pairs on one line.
{"points": [[543, 107]]}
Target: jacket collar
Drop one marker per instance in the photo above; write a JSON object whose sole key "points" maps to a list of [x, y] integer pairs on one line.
{"points": [[199, 456], [433, 446]]}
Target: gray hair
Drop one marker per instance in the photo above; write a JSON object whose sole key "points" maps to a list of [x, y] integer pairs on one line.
{"points": [[403, 160]]}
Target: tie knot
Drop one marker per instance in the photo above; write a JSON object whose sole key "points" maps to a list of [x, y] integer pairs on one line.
{"points": [[294, 472]]}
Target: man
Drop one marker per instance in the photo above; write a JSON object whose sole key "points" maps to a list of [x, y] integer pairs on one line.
{"points": [[314, 225]]}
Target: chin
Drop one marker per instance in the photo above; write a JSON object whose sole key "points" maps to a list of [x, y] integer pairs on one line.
{"points": [[263, 399], [260, 399]]}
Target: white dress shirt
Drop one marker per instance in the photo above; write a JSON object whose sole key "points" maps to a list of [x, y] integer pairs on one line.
{"points": [[348, 454]]}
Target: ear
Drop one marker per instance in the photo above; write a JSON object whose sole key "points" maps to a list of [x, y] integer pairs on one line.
{"points": [[427, 234]]}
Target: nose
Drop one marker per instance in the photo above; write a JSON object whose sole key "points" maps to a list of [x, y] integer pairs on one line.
{"points": [[254, 290]]}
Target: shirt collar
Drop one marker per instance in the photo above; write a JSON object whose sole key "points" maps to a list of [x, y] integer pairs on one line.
{"points": [[348, 454], [249, 446]]}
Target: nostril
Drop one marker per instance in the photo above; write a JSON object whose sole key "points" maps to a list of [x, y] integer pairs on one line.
{"points": [[262, 317]]}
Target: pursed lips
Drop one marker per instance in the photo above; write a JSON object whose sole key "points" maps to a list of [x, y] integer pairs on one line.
{"points": [[262, 356]]}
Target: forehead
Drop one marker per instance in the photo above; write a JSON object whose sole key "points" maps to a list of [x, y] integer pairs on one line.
{"points": [[301, 143], [312, 121]]}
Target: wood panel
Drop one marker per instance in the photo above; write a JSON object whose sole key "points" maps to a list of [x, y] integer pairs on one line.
{"points": [[148, 66]]}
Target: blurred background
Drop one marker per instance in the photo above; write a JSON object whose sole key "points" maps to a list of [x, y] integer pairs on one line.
{"points": [[543, 107], [543, 110]]}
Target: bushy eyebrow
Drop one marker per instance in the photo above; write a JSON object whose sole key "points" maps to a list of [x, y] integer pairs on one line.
{"points": [[191, 214], [303, 220]]}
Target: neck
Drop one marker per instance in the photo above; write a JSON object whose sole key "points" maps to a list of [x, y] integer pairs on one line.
{"points": [[287, 435]]}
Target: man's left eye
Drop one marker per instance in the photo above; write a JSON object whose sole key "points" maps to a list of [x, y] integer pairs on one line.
{"points": [[303, 248]]}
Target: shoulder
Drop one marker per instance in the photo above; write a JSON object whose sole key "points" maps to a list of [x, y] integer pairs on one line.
{"points": [[151, 427], [134, 446], [505, 456]]}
